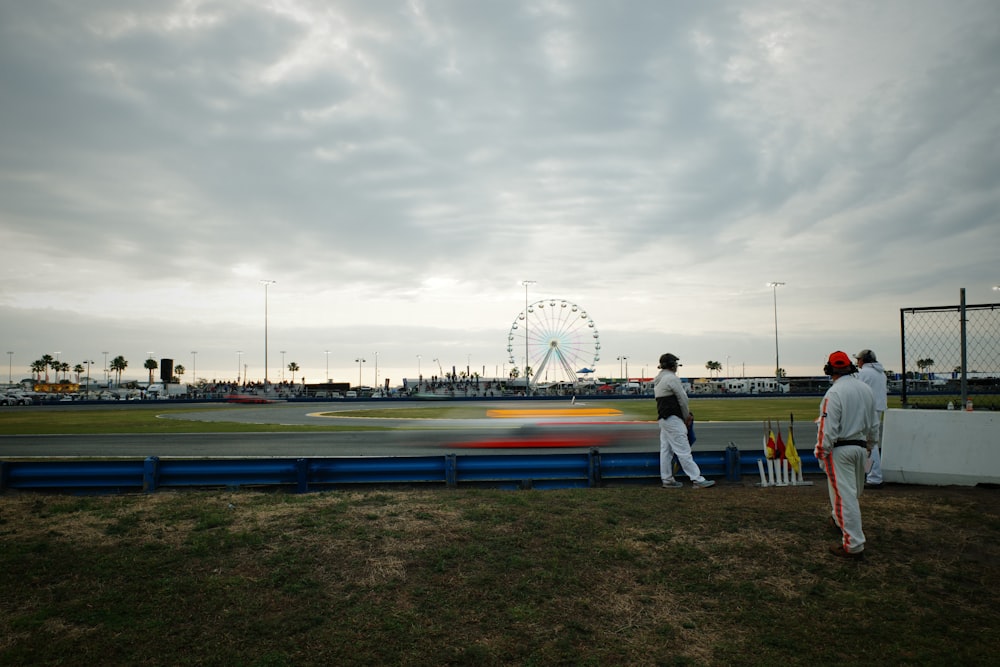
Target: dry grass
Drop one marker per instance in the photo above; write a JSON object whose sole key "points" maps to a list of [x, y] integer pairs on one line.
{"points": [[731, 575]]}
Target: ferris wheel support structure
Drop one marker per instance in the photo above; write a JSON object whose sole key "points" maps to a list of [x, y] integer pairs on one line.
{"points": [[560, 341]]}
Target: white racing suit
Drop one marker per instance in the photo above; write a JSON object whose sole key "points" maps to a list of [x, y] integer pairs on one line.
{"points": [[873, 375], [848, 426], [672, 415]]}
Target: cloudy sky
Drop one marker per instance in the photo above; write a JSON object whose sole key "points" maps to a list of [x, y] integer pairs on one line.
{"points": [[399, 168]]}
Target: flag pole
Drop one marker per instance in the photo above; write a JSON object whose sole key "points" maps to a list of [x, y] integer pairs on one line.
{"points": [[795, 474], [779, 458], [771, 452]]}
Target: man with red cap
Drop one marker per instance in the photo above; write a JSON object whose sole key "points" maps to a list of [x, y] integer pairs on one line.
{"points": [[848, 428]]}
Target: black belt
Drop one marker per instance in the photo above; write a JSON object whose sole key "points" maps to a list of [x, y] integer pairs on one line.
{"points": [[847, 443]]}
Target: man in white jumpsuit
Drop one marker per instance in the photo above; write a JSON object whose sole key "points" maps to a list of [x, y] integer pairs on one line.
{"points": [[848, 428], [873, 374], [674, 417]]}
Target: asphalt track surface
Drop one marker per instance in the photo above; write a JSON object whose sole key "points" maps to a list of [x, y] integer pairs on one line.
{"points": [[407, 437]]}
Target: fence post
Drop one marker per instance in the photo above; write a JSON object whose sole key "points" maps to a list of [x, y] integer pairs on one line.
{"points": [[302, 475], [902, 352], [964, 384], [150, 474], [594, 468], [733, 472], [451, 471]]}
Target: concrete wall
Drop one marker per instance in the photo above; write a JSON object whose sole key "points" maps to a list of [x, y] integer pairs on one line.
{"points": [[941, 447]]}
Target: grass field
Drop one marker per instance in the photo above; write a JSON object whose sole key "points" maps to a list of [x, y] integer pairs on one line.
{"points": [[733, 575], [614, 576]]}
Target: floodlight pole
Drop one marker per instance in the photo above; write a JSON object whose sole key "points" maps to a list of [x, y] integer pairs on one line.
{"points": [[777, 364], [88, 362], [360, 362], [527, 379], [622, 359], [266, 284]]}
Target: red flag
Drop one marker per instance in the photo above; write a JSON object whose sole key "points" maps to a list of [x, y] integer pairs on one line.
{"points": [[779, 446]]}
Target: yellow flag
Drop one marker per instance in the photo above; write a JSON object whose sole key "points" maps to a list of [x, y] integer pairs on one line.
{"points": [[791, 453]]}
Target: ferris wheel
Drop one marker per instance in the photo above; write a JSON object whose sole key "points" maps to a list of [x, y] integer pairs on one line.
{"points": [[558, 338]]}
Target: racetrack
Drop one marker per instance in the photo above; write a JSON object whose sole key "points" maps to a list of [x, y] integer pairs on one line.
{"points": [[405, 437]]}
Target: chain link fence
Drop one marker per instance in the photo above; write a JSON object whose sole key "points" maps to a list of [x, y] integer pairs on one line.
{"points": [[951, 356]]}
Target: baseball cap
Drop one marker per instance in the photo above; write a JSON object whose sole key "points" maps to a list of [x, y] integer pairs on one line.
{"points": [[866, 356], [668, 359], [839, 361]]}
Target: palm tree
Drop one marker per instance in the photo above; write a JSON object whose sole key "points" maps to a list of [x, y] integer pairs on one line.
{"points": [[151, 366], [924, 364], [48, 360], [293, 368], [63, 368], [38, 367], [178, 372], [118, 365], [78, 369], [714, 366]]}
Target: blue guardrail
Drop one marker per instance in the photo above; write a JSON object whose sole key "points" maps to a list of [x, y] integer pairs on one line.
{"points": [[594, 468]]}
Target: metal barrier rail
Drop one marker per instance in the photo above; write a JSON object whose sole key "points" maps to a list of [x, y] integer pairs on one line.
{"points": [[511, 471]]}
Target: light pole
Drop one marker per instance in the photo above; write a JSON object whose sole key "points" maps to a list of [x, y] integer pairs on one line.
{"points": [[239, 365], [327, 366], [419, 374], [283, 367], [10, 366], [527, 380], [777, 364], [266, 284], [622, 359], [107, 372], [194, 366], [87, 390], [376, 370], [359, 362]]}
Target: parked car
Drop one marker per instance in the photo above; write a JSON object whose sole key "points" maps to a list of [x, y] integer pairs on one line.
{"points": [[15, 398]]}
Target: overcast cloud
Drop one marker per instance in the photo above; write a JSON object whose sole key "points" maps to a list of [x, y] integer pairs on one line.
{"points": [[400, 167]]}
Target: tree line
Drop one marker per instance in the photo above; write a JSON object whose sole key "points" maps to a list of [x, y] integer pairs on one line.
{"points": [[40, 367]]}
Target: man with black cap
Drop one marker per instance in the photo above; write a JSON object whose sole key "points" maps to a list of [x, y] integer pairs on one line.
{"points": [[674, 417], [848, 428], [873, 375]]}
